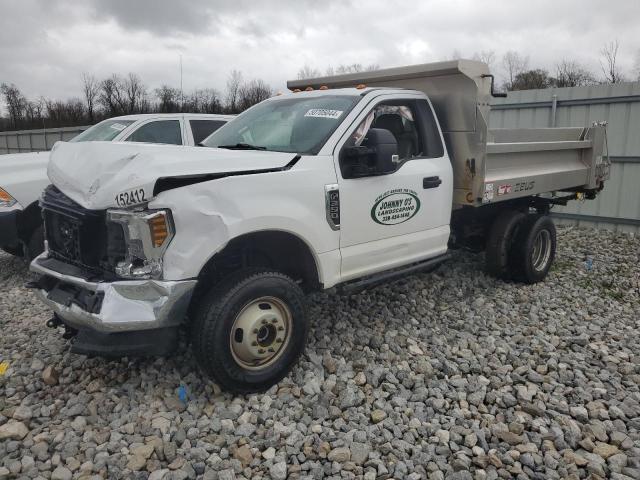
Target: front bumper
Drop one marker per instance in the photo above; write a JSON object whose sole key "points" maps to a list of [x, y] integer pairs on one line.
{"points": [[110, 306], [9, 226]]}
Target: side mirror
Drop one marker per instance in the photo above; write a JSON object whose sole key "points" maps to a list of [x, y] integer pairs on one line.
{"points": [[377, 155]]}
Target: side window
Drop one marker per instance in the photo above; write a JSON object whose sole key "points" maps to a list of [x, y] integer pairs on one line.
{"points": [[412, 124], [161, 131], [201, 129], [399, 118]]}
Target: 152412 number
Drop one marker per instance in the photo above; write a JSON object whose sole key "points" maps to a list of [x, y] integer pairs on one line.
{"points": [[131, 197]]}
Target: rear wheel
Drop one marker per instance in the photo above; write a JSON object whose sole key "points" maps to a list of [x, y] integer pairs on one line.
{"points": [[534, 249], [500, 241], [250, 330]]}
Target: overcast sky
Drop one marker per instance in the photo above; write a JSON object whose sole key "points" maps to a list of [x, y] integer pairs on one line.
{"points": [[46, 45]]}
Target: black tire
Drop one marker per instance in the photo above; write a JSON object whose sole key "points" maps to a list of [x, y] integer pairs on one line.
{"points": [[534, 249], [219, 310], [499, 243], [35, 246]]}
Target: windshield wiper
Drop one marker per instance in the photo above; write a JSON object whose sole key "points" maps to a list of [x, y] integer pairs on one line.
{"points": [[242, 146]]}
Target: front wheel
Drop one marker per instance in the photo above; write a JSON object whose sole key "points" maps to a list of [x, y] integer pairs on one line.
{"points": [[250, 329]]}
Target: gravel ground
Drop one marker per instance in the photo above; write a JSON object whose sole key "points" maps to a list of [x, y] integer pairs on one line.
{"points": [[450, 374]]}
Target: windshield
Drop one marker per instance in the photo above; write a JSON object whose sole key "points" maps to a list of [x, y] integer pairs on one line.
{"points": [[106, 131], [298, 125]]}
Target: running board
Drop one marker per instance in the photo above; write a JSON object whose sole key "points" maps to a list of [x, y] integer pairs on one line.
{"points": [[389, 275]]}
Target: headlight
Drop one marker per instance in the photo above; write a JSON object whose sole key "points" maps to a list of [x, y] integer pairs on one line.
{"points": [[147, 235], [6, 200]]}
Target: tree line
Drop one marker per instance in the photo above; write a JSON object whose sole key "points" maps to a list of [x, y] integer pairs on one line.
{"points": [[126, 95], [518, 75]]}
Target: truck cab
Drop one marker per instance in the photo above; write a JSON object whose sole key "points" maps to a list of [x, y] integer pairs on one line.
{"points": [[329, 185]]}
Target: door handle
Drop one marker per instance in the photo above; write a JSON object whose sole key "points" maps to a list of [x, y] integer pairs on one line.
{"points": [[431, 182]]}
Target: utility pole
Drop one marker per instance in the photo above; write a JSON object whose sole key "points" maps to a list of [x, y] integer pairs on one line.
{"points": [[181, 92]]}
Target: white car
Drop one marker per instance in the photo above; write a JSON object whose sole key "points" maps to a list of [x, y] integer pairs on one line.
{"points": [[23, 176]]}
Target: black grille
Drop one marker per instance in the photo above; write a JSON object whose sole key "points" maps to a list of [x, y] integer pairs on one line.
{"points": [[78, 235]]}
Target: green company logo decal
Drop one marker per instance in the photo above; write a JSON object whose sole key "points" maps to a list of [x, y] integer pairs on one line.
{"points": [[395, 206]]}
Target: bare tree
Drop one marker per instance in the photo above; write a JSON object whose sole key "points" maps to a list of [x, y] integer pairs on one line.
{"points": [[91, 90], [531, 79], [308, 72], [608, 62], [134, 92], [513, 64], [485, 56], [206, 100], [350, 68], [169, 99], [234, 83], [637, 65], [571, 74], [253, 92], [34, 111], [15, 103], [112, 95], [70, 112]]}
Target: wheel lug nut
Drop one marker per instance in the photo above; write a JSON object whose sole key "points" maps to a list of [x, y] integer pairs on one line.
{"points": [[280, 328], [273, 320], [279, 340], [264, 321], [261, 350], [271, 350], [255, 330], [254, 344]]}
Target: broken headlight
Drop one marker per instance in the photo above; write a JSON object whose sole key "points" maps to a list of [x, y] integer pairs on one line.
{"points": [[147, 235]]}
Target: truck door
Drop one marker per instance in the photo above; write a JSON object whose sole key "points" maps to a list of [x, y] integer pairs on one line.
{"points": [[396, 214]]}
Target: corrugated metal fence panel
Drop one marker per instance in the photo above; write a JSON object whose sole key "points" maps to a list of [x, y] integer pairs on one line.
{"points": [[618, 205], [22, 141]]}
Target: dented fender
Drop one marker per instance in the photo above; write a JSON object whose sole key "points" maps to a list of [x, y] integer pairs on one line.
{"points": [[208, 215]]}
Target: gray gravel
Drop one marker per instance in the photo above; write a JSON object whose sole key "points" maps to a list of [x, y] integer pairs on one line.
{"points": [[450, 374]]}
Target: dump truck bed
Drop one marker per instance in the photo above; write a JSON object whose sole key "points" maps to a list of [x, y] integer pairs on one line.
{"points": [[490, 165]]}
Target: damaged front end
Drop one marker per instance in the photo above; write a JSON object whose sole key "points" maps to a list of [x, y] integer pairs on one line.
{"points": [[147, 234], [101, 274]]}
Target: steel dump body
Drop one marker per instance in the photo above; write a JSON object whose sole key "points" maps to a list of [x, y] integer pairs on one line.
{"points": [[490, 165]]}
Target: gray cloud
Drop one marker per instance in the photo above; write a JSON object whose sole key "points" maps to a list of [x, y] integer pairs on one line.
{"points": [[45, 46], [162, 17]]}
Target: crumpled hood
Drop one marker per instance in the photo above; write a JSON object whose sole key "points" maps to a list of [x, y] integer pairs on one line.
{"points": [[93, 174]]}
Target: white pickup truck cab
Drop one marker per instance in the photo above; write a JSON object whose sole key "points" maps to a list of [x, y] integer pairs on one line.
{"points": [[334, 184], [23, 176]]}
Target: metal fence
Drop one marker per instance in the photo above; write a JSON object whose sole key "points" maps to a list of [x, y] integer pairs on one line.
{"points": [[22, 141], [618, 205]]}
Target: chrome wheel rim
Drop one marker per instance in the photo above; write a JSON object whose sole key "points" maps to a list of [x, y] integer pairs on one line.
{"points": [[541, 250], [260, 333]]}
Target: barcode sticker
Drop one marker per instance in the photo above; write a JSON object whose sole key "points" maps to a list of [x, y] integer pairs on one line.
{"points": [[323, 113]]}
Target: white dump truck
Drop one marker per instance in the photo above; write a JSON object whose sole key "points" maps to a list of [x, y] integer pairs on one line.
{"points": [[346, 181]]}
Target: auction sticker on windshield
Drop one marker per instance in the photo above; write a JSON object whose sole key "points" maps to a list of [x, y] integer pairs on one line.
{"points": [[395, 206], [323, 113], [118, 126]]}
